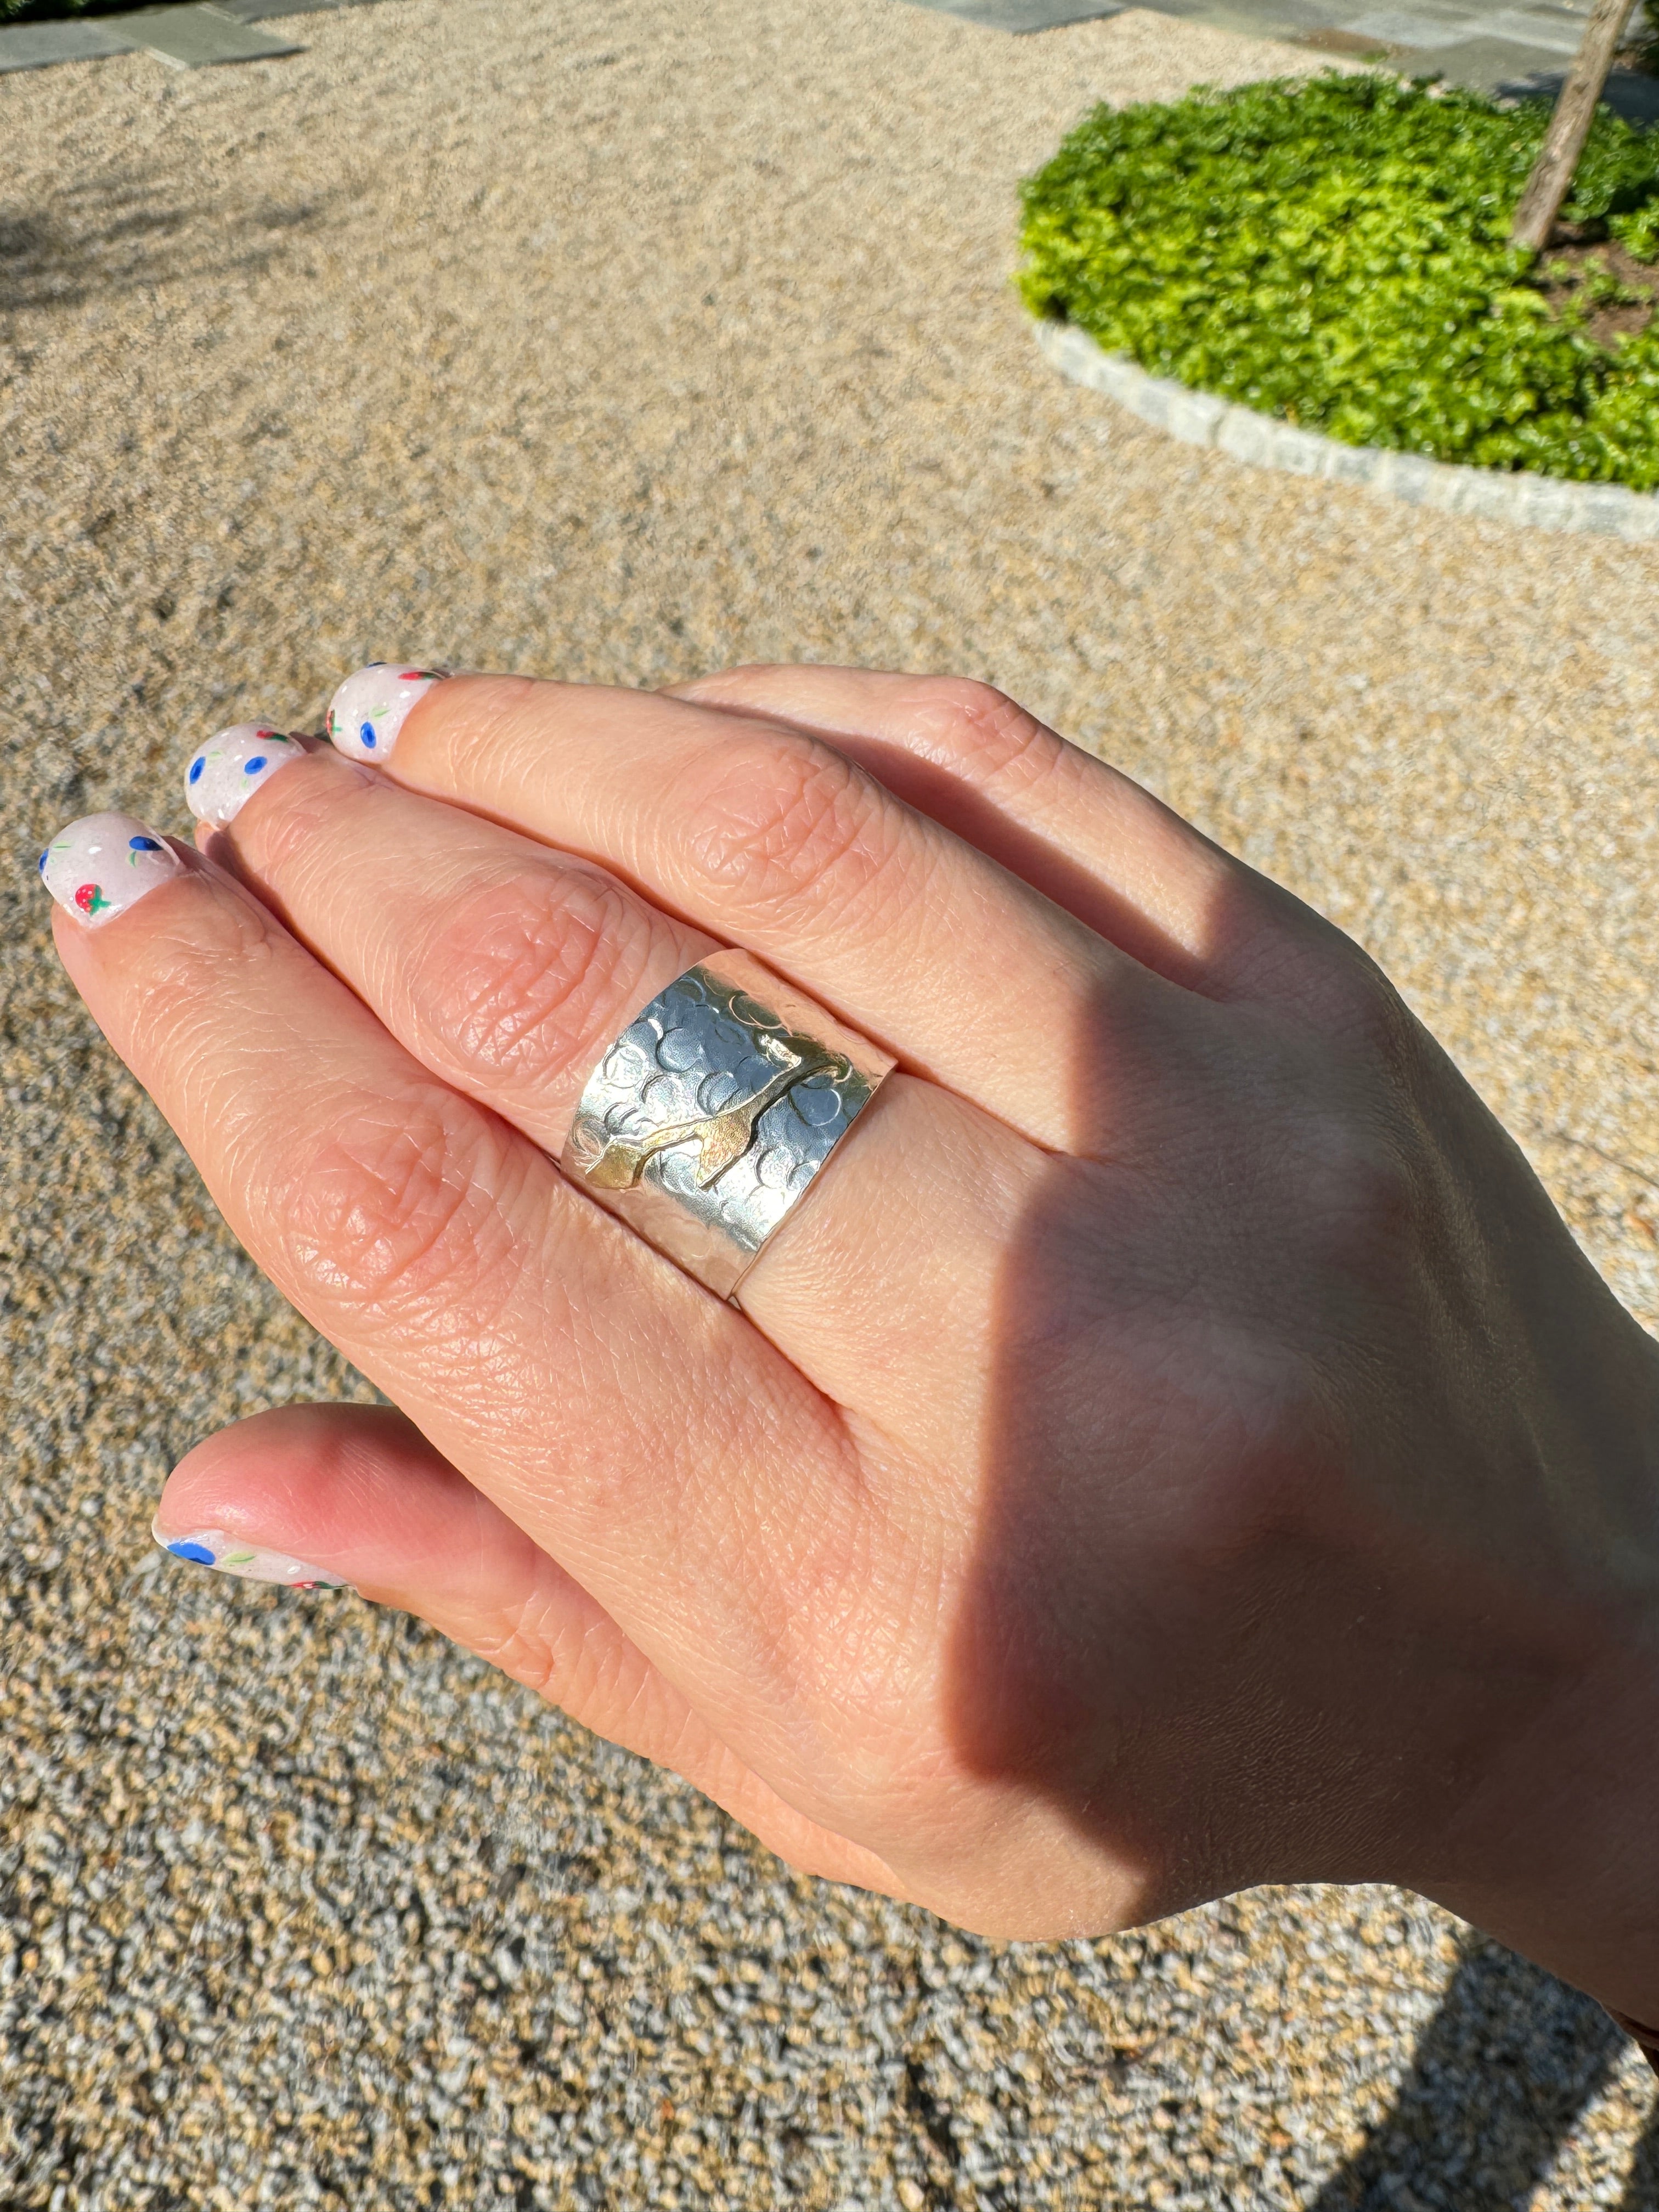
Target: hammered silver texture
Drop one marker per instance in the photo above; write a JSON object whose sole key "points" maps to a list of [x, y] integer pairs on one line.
{"points": [[676, 1086]]}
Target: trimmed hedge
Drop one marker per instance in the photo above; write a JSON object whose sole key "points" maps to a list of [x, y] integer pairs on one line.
{"points": [[1332, 250]]}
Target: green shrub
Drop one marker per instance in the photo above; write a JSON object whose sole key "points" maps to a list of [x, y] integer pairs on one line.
{"points": [[1332, 250]]}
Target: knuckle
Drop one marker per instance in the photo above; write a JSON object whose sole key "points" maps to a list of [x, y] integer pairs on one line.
{"points": [[524, 1637], [477, 721], [584, 1668], [990, 734], [776, 822], [184, 963], [523, 976], [393, 1206], [307, 800], [1360, 1190], [1364, 1195], [1361, 1010]]}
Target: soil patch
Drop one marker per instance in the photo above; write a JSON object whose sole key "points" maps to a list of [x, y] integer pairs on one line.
{"points": [[1619, 291]]}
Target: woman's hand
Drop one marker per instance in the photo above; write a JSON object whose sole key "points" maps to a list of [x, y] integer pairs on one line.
{"points": [[1178, 1445]]}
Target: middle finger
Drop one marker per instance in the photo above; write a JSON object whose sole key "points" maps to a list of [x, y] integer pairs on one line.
{"points": [[507, 968], [773, 839]]}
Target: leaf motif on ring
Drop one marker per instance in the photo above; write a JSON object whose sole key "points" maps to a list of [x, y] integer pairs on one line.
{"points": [[721, 1139]]}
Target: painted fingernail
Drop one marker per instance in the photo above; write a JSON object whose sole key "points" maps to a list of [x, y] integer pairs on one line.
{"points": [[369, 708], [212, 1547], [229, 769], [105, 862]]}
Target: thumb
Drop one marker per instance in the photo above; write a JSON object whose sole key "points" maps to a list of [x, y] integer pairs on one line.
{"points": [[308, 1496]]}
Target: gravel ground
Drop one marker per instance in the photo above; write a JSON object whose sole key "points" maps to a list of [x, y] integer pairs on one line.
{"points": [[623, 341]]}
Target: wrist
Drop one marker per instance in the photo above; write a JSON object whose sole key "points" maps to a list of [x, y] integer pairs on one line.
{"points": [[1557, 1851], [1554, 1846]]}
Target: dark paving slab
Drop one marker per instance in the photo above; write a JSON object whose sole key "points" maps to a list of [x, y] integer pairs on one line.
{"points": [[38, 45], [1512, 50], [82, 39]]}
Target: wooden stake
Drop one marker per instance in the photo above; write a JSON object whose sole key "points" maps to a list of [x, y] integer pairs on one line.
{"points": [[1574, 111]]}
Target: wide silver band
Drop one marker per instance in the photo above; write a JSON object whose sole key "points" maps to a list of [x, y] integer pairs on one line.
{"points": [[707, 1119]]}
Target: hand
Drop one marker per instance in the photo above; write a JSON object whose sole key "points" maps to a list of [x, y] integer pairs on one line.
{"points": [[1177, 1445]]}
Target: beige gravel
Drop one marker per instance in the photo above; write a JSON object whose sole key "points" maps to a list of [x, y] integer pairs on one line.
{"points": [[623, 341]]}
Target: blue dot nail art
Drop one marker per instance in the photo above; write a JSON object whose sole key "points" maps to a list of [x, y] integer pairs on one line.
{"points": [[196, 766], [144, 844], [253, 767], [189, 1550], [366, 735], [44, 857]]}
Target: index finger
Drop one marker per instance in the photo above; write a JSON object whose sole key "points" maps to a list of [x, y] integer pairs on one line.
{"points": [[639, 1431]]}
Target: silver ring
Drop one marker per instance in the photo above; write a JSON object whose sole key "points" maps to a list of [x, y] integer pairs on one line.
{"points": [[709, 1117]]}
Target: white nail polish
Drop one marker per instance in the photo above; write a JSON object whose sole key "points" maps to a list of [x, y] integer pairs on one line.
{"points": [[367, 711], [229, 769], [212, 1547], [103, 864]]}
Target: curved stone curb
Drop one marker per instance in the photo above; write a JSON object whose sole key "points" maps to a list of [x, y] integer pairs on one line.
{"points": [[1199, 419]]}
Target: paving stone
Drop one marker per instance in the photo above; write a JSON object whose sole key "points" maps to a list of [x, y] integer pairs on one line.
{"points": [[1194, 417], [1293, 19], [1340, 464], [256, 11], [1024, 14], [1247, 436], [199, 36], [1416, 29], [1257, 19], [1540, 19], [1349, 44], [1515, 50], [37, 46], [1488, 65], [1530, 27]]}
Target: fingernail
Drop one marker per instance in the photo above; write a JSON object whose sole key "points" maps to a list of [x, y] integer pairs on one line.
{"points": [[230, 767], [105, 862], [211, 1547], [369, 708]]}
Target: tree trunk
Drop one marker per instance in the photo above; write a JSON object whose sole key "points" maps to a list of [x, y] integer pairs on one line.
{"points": [[1574, 111]]}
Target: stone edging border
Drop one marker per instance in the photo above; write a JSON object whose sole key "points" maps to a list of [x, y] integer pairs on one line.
{"points": [[1197, 418]]}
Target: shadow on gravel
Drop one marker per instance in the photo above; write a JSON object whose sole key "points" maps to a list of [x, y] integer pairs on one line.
{"points": [[1628, 93], [122, 231], [1502, 2072]]}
